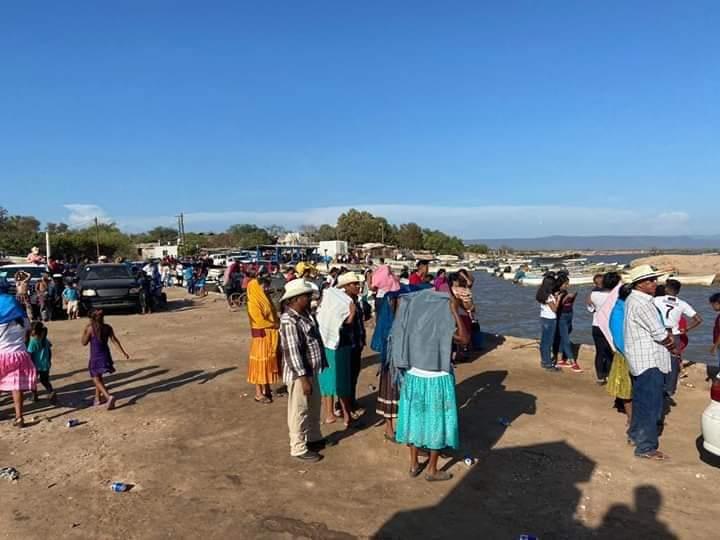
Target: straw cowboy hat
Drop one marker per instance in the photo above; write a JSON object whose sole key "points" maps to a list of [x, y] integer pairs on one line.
{"points": [[641, 273], [349, 277], [296, 287]]}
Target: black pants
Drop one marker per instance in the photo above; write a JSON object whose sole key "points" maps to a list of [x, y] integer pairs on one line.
{"points": [[355, 365], [44, 378], [603, 354]]}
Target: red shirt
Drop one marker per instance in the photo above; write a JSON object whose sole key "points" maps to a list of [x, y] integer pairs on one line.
{"points": [[416, 279], [716, 330]]}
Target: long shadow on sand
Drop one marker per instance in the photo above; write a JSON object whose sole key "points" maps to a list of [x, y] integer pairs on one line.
{"points": [[521, 490], [79, 395]]}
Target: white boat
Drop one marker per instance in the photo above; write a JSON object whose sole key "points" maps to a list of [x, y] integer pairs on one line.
{"points": [[534, 281], [705, 280]]}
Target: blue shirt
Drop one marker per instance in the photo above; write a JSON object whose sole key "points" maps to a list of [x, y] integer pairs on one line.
{"points": [[70, 294], [41, 352]]}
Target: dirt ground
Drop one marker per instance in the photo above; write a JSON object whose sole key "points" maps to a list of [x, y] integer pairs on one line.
{"points": [[684, 264], [206, 461]]}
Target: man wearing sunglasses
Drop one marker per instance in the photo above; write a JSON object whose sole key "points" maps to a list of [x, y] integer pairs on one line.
{"points": [[648, 350]]}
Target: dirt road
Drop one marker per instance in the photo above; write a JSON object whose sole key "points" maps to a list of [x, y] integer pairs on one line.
{"points": [[207, 461]]}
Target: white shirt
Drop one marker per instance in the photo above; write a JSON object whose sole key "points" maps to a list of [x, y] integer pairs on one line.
{"points": [[546, 311], [672, 310], [644, 331], [597, 299], [12, 336]]}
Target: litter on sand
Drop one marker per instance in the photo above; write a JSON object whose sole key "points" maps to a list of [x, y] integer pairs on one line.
{"points": [[9, 473]]}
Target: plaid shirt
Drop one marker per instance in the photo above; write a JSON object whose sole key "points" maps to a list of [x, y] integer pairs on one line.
{"points": [[644, 332], [301, 346]]}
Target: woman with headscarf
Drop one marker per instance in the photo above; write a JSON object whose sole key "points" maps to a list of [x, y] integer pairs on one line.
{"points": [[263, 366], [17, 371]]}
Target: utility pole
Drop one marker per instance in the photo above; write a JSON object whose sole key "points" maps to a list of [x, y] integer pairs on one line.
{"points": [[382, 233], [47, 244], [97, 238]]}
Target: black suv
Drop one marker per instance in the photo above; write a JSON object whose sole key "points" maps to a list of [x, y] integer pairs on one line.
{"points": [[108, 286]]}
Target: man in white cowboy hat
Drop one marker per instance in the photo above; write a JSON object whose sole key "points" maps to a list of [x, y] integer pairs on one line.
{"points": [[351, 283], [648, 347], [303, 359]]}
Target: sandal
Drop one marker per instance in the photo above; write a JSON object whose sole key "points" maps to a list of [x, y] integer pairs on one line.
{"points": [[111, 403], [389, 438], [19, 423], [264, 400], [439, 476], [415, 471], [656, 455]]}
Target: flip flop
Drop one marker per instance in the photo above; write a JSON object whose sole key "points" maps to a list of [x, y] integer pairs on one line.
{"points": [[264, 400], [111, 403], [414, 473], [439, 476]]}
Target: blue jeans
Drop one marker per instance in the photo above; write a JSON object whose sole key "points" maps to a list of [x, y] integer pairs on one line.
{"points": [[647, 409], [547, 335], [564, 326], [671, 378]]}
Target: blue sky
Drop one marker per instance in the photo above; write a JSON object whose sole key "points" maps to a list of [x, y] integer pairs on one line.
{"points": [[499, 119]]}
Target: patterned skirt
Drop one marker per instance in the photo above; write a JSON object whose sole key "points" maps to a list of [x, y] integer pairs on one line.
{"points": [[388, 396], [619, 383], [428, 416], [263, 366], [17, 371]]}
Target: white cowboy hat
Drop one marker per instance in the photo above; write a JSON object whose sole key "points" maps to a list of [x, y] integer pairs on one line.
{"points": [[296, 287], [35, 250], [349, 277], [641, 273]]}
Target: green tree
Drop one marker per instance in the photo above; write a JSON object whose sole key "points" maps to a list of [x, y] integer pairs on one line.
{"points": [[441, 243], [326, 232], [409, 236], [248, 236], [477, 248], [18, 233], [360, 227]]}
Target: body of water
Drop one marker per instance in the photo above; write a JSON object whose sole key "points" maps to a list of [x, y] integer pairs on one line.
{"points": [[504, 308]]}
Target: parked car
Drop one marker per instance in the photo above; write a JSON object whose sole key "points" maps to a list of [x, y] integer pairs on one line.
{"points": [[35, 270], [108, 286], [711, 420]]}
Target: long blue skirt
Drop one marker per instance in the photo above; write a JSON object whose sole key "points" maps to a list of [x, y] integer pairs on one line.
{"points": [[427, 416]]}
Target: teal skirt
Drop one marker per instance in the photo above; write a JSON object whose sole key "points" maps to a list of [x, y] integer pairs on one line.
{"points": [[427, 416], [335, 379]]}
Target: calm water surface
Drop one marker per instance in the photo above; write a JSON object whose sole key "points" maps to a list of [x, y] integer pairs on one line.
{"points": [[504, 308]]}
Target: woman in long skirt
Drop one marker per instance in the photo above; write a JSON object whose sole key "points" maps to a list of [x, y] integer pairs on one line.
{"points": [[263, 365]]}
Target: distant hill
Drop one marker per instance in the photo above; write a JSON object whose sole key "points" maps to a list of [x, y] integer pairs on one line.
{"points": [[604, 242]]}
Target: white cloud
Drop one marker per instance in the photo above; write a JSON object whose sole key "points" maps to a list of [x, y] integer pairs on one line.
{"points": [[84, 214], [467, 222]]}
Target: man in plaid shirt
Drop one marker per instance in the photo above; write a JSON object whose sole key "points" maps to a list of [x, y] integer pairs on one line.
{"points": [[303, 359], [648, 347]]}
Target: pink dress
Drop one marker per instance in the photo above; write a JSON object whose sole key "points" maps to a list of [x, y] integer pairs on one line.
{"points": [[17, 371]]}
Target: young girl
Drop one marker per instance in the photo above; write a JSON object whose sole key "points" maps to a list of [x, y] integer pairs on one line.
{"points": [[548, 321], [40, 350], [98, 335], [562, 343]]}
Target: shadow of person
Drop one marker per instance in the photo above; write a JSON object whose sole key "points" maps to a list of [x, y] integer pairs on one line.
{"points": [[621, 521], [512, 491], [489, 342], [486, 409]]}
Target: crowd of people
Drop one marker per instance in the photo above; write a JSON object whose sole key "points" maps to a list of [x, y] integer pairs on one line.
{"points": [[423, 325], [311, 347], [640, 329]]}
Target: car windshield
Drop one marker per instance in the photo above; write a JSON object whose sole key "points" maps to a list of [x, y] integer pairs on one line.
{"points": [[106, 272], [34, 271]]}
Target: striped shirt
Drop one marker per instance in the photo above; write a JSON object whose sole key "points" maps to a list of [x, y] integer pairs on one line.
{"points": [[644, 333], [301, 346]]}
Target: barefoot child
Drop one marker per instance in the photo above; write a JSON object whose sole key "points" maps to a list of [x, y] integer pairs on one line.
{"points": [[40, 350], [98, 335]]}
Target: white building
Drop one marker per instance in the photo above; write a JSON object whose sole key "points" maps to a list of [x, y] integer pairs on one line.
{"points": [[156, 250], [332, 248]]}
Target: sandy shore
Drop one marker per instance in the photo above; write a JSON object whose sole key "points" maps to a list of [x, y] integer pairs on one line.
{"points": [[208, 462], [684, 264]]}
